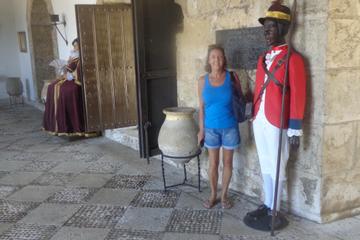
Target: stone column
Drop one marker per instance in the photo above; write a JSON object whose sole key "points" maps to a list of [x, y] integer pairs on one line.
{"points": [[340, 190]]}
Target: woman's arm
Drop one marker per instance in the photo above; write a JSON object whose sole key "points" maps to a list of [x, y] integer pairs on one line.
{"points": [[201, 133]]}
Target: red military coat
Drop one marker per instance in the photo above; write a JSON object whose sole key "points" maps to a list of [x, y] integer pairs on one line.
{"points": [[295, 96]]}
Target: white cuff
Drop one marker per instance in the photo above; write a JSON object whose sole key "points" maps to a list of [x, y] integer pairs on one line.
{"points": [[294, 132]]}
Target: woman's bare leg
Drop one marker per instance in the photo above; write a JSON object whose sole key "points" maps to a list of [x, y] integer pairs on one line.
{"points": [[213, 173], [227, 173]]}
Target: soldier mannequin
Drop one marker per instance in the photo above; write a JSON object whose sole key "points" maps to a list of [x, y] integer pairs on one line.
{"points": [[267, 105]]}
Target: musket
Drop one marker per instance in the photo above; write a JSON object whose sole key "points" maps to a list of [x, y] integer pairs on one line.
{"points": [[291, 29]]}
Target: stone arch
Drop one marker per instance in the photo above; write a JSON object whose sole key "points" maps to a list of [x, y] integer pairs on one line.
{"points": [[42, 42]]}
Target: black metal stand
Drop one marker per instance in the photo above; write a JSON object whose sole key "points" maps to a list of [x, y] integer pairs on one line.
{"points": [[15, 100], [197, 155]]}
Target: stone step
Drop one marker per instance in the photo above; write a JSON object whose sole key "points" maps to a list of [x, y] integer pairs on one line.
{"points": [[126, 136]]}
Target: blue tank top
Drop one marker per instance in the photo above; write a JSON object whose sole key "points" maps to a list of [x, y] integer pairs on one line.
{"points": [[218, 104]]}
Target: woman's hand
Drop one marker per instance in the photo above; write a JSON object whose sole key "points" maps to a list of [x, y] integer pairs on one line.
{"points": [[201, 137], [294, 142]]}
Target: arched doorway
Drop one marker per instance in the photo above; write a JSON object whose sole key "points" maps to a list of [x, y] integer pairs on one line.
{"points": [[43, 42]]}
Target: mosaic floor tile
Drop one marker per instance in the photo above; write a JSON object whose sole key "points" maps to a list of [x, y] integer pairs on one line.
{"points": [[348, 228], [103, 167], [264, 236], [6, 191], [55, 157], [22, 141], [119, 197], [70, 167], [127, 181], [148, 219], [42, 148], [72, 195], [121, 234], [35, 193], [10, 166], [156, 199], [91, 180], [29, 232], [4, 227], [19, 146], [189, 236], [38, 166], [19, 178], [86, 157], [27, 156], [232, 220], [2, 173], [193, 200], [56, 179], [70, 233], [51, 214], [7, 155], [154, 184], [195, 221], [70, 147], [5, 144], [11, 211], [96, 216]]}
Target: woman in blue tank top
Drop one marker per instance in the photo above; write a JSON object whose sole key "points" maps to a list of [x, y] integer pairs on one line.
{"points": [[217, 123]]}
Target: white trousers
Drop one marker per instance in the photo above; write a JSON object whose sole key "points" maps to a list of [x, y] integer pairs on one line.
{"points": [[267, 142]]}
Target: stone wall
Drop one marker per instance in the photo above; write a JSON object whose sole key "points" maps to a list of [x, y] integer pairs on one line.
{"points": [[9, 47], [201, 20], [340, 195]]}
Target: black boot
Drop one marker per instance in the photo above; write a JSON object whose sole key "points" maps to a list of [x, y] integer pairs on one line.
{"points": [[261, 211]]}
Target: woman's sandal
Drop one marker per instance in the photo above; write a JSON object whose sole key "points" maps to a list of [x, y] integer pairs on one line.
{"points": [[208, 205], [227, 204]]}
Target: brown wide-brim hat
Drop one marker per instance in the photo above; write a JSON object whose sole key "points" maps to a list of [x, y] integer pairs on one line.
{"points": [[277, 12]]}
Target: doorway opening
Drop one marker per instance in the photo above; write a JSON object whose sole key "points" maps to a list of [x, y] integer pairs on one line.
{"points": [[129, 67]]}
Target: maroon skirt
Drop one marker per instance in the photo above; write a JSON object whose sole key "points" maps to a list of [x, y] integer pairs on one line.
{"points": [[64, 113]]}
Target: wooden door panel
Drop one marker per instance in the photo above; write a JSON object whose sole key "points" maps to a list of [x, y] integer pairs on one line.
{"points": [[110, 85], [118, 56], [104, 68], [85, 20], [128, 37]]}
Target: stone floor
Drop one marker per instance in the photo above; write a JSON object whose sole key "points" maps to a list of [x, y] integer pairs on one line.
{"points": [[95, 189]]}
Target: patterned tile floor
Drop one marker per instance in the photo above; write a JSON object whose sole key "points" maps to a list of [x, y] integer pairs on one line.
{"points": [[54, 188]]}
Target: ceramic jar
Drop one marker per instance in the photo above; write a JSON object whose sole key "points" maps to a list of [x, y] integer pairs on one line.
{"points": [[178, 134], [14, 87]]}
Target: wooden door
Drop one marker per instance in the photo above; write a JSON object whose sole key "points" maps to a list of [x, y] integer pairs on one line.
{"points": [[155, 25], [107, 56]]}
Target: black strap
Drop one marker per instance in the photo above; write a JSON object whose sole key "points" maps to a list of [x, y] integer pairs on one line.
{"points": [[271, 74], [234, 82], [271, 77]]}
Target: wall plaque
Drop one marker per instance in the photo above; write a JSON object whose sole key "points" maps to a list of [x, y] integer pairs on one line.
{"points": [[242, 46]]}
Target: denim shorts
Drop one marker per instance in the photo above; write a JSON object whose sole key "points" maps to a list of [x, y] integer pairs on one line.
{"points": [[228, 138]]}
